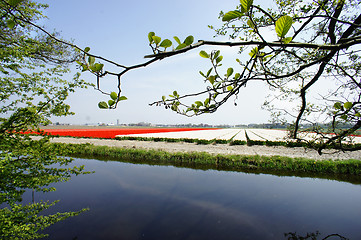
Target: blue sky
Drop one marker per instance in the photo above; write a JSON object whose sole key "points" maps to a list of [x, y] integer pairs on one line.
{"points": [[118, 30]]}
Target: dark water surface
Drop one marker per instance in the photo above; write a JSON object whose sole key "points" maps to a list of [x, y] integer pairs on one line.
{"points": [[129, 201]]}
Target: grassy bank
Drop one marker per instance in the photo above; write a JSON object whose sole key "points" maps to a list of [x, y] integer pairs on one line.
{"points": [[258, 164]]}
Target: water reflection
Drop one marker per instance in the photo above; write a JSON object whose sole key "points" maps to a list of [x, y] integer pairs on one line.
{"points": [[313, 236], [130, 201]]}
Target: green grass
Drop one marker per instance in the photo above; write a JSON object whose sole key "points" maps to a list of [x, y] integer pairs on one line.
{"points": [[279, 165]]}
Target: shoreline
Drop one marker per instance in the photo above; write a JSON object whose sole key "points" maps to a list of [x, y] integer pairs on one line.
{"points": [[214, 149]]}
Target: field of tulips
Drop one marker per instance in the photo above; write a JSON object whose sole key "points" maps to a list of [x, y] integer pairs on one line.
{"points": [[111, 133], [200, 135], [223, 135], [227, 134]]}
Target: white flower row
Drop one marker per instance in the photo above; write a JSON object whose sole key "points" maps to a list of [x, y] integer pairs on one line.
{"points": [[228, 134], [194, 134]]}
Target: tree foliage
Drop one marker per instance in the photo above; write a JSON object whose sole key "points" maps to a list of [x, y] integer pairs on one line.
{"points": [[291, 47], [32, 89]]}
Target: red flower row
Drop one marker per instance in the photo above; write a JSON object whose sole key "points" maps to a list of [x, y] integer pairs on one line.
{"points": [[109, 133]]}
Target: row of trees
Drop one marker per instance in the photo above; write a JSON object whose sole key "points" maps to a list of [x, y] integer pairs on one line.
{"points": [[290, 47]]}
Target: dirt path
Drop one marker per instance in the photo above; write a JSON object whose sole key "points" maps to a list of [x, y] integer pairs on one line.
{"points": [[214, 149]]}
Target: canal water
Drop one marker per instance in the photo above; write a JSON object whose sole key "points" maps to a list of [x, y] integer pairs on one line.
{"points": [[132, 201]]}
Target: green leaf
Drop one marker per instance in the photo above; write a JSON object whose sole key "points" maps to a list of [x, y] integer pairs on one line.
{"points": [[92, 67], [206, 102], [266, 57], [246, 5], [237, 76], [150, 36], [347, 105], [344, 117], [174, 108], [189, 40], [229, 88], [254, 52], [177, 40], [250, 23], [283, 25], [211, 79], [219, 59], [287, 40], [201, 73], [216, 54], [183, 45], [204, 54], [198, 103], [232, 15], [229, 72], [97, 67], [337, 105], [357, 115], [166, 43], [91, 60], [87, 49], [103, 105], [85, 67], [157, 40], [111, 102], [15, 2], [114, 96], [209, 72], [122, 98], [175, 94], [11, 24]]}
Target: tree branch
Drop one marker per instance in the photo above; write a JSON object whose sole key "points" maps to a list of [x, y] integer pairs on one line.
{"points": [[332, 25], [309, 19], [342, 45]]}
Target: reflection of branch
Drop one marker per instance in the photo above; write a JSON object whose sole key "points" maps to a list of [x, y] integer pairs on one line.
{"points": [[312, 235], [335, 235]]}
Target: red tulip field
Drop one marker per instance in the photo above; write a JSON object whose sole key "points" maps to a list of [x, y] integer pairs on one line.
{"points": [[111, 133]]}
